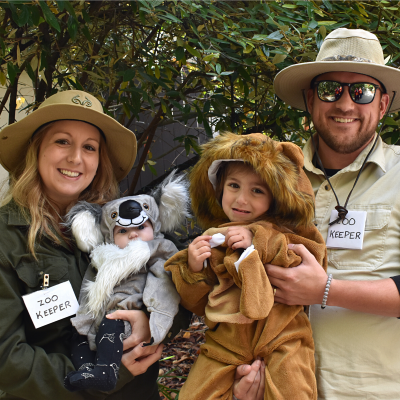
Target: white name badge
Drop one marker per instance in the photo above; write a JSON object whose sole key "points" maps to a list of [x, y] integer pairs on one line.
{"points": [[52, 304], [349, 233]]}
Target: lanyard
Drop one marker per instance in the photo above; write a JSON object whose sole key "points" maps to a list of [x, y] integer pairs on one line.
{"points": [[342, 210]]}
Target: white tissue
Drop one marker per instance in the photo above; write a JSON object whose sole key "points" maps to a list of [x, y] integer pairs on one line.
{"points": [[215, 241], [245, 254]]}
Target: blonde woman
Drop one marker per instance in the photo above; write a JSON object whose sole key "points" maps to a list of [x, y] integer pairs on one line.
{"points": [[65, 151]]}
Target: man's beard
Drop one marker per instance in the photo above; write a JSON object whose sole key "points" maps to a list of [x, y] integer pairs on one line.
{"points": [[344, 147]]}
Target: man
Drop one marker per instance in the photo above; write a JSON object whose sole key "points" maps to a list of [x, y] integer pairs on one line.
{"points": [[356, 350]]}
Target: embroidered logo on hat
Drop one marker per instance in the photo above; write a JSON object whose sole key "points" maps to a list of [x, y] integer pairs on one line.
{"points": [[85, 102]]}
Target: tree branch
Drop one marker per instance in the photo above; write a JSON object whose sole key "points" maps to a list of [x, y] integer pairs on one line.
{"points": [[150, 131]]}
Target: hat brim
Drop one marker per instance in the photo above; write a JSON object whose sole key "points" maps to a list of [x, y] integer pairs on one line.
{"points": [[290, 83], [121, 142]]}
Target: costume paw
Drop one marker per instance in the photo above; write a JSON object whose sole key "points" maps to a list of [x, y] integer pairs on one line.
{"points": [[160, 325]]}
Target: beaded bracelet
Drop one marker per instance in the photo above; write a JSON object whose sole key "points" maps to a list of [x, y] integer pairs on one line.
{"points": [[328, 285]]}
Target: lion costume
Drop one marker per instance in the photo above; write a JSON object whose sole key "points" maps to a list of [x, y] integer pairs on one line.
{"points": [[238, 300]]}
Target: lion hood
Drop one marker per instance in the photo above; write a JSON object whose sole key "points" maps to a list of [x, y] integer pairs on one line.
{"points": [[280, 166]]}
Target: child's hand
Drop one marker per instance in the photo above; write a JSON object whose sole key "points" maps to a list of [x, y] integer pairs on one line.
{"points": [[198, 251], [238, 237]]}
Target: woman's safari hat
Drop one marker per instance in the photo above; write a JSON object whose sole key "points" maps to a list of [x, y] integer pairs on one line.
{"points": [[69, 105], [347, 50]]}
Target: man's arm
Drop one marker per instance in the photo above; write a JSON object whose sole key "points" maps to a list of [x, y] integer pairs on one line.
{"points": [[305, 285]]}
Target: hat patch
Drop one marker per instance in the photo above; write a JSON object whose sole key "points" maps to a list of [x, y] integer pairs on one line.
{"points": [[346, 58], [85, 102]]}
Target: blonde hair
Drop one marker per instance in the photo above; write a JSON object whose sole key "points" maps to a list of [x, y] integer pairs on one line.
{"points": [[26, 189]]}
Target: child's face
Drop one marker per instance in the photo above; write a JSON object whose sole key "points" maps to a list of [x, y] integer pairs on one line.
{"points": [[245, 197], [122, 236]]}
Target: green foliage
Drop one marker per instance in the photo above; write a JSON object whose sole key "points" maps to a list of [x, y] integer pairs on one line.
{"points": [[213, 60]]}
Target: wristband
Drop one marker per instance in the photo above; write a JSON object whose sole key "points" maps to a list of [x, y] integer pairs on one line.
{"points": [[328, 285]]}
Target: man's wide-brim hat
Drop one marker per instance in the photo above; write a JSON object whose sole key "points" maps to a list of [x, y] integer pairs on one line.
{"points": [[69, 105], [347, 50]]}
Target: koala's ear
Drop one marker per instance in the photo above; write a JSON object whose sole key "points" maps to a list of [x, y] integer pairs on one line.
{"points": [[172, 197], [84, 221]]}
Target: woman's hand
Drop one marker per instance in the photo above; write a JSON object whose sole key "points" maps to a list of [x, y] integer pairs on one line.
{"points": [[140, 358], [249, 381], [139, 324], [238, 237], [198, 251]]}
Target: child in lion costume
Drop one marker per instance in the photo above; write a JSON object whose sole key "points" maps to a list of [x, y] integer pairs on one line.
{"points": [[255, 183]]}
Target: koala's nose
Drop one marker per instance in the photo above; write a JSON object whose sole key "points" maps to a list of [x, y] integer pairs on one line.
{"points": [[130, 209]]}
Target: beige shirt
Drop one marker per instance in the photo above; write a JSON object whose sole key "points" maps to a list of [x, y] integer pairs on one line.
{"points": [[358, 354]]}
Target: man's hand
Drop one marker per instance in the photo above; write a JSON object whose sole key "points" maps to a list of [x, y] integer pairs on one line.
{"points": [[301, 285], [250, 381], [198, 251], [238, 237], [139, 324], [140, 358]]}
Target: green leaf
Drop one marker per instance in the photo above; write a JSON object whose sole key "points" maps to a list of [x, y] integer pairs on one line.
{"points": [[390, 121], [179, 53], [35, 14], [23, 16], [86, 16], [171, 18], [49, 16], [278, 58], [313, 24], [152, 169], [72, 27], [30, 72], [206, 107], [277, 35], [260, 37], [68, 6], [12, 71], [128, 74], [192, 51], [86, 32]]}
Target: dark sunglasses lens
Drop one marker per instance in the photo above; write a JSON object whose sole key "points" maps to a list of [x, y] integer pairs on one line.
{"points": [[362, 93], [329, 90]]}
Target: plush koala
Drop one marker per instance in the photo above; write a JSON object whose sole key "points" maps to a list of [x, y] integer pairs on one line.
{"points": [[124, 278]]}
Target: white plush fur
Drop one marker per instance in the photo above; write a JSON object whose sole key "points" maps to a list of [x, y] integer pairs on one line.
{"points": [[174, 203], [113, 265], [86, 232]]}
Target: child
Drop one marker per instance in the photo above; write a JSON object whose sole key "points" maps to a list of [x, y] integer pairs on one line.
{"points": [[130, 273], [255, 184]]}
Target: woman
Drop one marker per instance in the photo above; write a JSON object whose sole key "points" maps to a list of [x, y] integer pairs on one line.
{"points": [[67, 150]]}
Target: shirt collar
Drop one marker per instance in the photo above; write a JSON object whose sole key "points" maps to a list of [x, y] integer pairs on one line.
{"points": [[377, 157]]}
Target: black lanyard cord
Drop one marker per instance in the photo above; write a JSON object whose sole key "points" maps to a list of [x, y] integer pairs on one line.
{"points": [[342, 210]]}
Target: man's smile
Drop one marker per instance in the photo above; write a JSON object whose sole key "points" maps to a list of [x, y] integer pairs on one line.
{"points": [[344, 120]]}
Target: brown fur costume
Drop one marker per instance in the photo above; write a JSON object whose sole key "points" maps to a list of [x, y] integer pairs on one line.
{"points": [[239, 306]]}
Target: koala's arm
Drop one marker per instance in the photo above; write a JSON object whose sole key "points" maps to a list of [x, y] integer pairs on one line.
{"points": [[160, 295]]}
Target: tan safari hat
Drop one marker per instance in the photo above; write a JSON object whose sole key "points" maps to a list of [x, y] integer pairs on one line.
{"points": [[71, 105], [347, 50]]}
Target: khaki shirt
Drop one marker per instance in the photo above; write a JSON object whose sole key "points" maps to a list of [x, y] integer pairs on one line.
{"points": [[357, 354]]}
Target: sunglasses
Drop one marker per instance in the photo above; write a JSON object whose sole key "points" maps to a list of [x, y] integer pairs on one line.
{"points": [[360, 92]]}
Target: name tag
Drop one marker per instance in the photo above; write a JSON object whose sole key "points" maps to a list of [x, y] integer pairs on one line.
{"points": [[349, 233], [52, 304]]}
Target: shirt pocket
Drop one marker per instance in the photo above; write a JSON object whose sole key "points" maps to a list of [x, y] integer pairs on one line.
{"points": [[31, 272], [372, 253]]}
